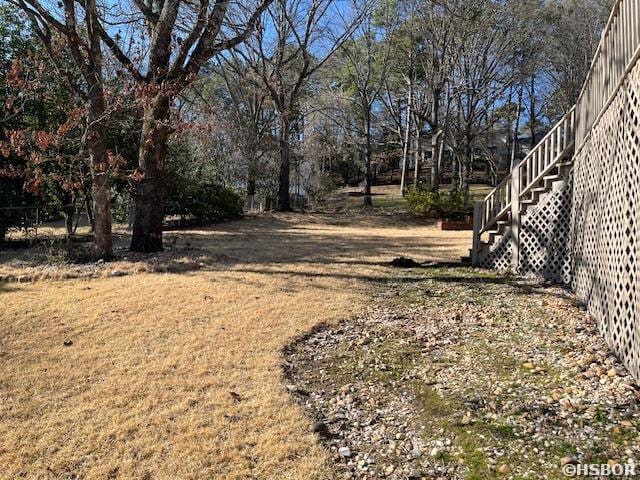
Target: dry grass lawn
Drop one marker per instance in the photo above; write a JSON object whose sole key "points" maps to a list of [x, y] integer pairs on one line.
{"points": [[387, 197], [160, 375]]}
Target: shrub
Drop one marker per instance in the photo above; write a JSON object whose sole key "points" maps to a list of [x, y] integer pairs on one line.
{"points": [[423, 202], [8, 219], [320, 187], [207, 202], [214, 202], [449, 205]]}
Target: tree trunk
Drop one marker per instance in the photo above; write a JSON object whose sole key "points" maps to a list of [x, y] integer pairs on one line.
{"points": [[440, 162], [88, 205], [532, 113], [251, 179], [95, 138], [101, 190], [284, 204], [149, 194], [516, 128], [407, 140], [416, 157], [467, 168], [69, 211], [510, 122], [436, 161], [367, 155], [455, 171], [435, 137]]}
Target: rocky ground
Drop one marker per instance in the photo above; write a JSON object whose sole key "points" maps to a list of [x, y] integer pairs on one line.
{"points": [[460, 373]]}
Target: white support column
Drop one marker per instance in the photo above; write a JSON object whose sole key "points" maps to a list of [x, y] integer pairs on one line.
{"points": [[477, 223], [515, 217]]}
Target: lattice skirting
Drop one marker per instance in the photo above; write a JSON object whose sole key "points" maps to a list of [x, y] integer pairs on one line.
{"points": [[605, 223], [497, 256], [544, 239], [585, 232], [545, 234]]}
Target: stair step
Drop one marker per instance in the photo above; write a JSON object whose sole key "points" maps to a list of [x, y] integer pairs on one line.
{"points": [[501, 225], [551, 178], [565, 164], [526, 203], [539, 189]]}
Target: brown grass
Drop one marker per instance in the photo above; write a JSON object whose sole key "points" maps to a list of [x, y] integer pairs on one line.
{"points": [[388, 197], [145, 388]]}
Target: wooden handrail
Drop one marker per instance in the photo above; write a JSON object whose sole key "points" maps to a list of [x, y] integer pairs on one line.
{"points": [[546, 154], [546, 170], [617, 53], [546, 137]]}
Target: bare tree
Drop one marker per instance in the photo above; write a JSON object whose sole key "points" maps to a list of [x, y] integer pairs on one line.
{"points": [[85, 47], [252, 116], [574, 37], [440, 54], [301, 37], [362, 68], [480, 78], [162, 45]]}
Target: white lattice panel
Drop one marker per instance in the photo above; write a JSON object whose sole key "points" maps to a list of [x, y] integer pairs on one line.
{"points": [[545, 233], [497, 255], [586, 231], [605, 220]]}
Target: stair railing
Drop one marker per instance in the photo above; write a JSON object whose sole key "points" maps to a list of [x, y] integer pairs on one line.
{"points": [[541, 160], [617, 53], [551, 150]]}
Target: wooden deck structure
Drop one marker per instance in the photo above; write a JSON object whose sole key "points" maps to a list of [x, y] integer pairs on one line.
{"points": [[570, 211]]}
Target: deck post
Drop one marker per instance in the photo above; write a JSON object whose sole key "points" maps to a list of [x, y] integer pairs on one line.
{"points": [[516, 176], [477, 222]]}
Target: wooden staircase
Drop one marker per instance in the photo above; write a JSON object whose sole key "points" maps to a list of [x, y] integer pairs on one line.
{"points": [[497, 217]]}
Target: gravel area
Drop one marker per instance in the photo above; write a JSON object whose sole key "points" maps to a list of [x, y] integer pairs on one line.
{"points": [[460, 373]]}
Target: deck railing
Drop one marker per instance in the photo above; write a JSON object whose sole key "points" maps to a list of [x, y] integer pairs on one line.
{"points": [[617, 52], [538, 163]]}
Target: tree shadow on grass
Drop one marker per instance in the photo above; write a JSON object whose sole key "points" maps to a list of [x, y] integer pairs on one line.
{"points": [[375, 279], [526, 286], [339, 246]]}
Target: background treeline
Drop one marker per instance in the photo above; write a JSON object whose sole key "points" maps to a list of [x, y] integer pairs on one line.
{"points": [[149, 109]]}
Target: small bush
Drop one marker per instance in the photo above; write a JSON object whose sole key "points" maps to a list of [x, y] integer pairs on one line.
{"points": [[10, 198], [450, 205], [423, 202], [322, 186], [214, 202], [206, 203]]}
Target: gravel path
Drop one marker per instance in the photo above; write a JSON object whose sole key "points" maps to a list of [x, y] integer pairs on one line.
{"points": [[458, 373]]}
